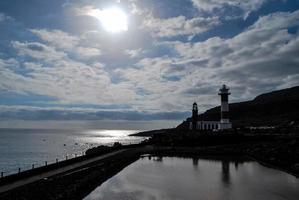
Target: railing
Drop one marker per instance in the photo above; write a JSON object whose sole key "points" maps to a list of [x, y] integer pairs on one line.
{"points": [[4, 174], [5, 177]]}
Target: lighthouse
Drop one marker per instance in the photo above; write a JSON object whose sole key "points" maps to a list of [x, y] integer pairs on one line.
{"points": [[197, 122], [224, 93], [194, 116]]}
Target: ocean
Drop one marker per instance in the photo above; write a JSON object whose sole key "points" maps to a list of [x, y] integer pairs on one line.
{"points": [[21, 148]]}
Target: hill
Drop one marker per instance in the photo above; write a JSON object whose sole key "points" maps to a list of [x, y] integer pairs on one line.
{"points": [[279, 107]]}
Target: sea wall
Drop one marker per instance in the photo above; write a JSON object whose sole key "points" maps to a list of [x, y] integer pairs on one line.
{"points": [[78, 183]]}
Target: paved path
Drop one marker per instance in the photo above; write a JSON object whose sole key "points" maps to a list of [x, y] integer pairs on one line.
{"points": [[54, 172]]}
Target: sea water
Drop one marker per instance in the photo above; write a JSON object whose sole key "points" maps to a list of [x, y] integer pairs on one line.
{"points": [[20, 148]]}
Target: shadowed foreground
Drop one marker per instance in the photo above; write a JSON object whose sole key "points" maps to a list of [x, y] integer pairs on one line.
{"points": [[72, 182], [77, 179]]}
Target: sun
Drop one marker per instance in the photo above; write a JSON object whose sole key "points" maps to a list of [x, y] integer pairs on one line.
{"points": [[112, 19]]}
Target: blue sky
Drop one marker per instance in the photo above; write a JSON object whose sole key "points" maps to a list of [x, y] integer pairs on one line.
{"points": [[58, 63]]}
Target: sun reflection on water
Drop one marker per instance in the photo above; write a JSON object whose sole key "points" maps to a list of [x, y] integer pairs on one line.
{"points": [[108, 137]]}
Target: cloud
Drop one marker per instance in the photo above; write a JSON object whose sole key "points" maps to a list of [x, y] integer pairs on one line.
{"points": [[38, 51], [63, 41], [133, 53], [57, 38], [158, 89], [37, 113], [278, 20], [179, 25], [4, 17], [262, 58], [258, 59], [52, 73], [135, 9], [247, 6], [93, 68]]}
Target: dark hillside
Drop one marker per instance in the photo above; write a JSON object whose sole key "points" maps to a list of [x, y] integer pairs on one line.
{"points": [[279, 107]]}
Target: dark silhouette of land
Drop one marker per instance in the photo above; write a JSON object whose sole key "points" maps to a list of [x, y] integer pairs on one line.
{"points": [[265, 129], [275, 108]]}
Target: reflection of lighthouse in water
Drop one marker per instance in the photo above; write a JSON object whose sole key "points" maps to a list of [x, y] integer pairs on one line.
{"points": [[225, 172]]}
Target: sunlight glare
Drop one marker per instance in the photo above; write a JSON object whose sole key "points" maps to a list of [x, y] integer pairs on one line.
{"points": [[112, 19]]}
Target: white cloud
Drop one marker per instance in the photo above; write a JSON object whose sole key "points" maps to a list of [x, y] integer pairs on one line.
{"points": [[151, 77], [68, 43], [247, 6], [135, 9], [37, 50], [57, 38], [133, 53], [4, 17], [85, 53], [257, 59], [179, 25], [53, 73], [277, 20], [262, 58], [32, 65]]}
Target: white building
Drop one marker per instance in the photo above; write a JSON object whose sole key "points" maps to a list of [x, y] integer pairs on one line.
{"points": [[196, 124]]}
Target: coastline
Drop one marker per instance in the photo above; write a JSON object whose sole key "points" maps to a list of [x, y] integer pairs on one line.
{"points": [[77, 183], [278, 153]]}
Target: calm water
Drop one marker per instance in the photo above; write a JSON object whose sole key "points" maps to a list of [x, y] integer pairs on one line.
{"points": [[24, 147], [192, 179]]}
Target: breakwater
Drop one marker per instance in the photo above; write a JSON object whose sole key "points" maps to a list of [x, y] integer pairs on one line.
{"points": [[72, 179]]}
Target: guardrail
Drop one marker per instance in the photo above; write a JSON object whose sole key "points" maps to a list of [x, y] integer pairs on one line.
{"points": [[34, 169], [57, 164]]}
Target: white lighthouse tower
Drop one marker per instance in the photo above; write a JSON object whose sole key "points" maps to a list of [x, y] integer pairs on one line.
{"points": [[196, 122], [224, 122]]}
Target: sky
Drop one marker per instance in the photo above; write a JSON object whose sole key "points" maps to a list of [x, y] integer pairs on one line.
{"points": [[139, 64]]}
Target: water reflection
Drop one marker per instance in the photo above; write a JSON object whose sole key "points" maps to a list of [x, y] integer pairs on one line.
{"points": [[225, 172], [195, 162], [158, 159], [179, 178], [236, 165]]}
